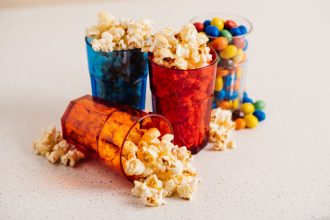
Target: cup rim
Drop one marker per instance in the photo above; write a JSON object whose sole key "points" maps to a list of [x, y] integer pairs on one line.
{"points": [[226, 14], [135, 123], [214, 61]]}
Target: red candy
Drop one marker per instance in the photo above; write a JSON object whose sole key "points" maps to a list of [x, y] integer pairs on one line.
{"points": [[199, 26], [229, 24], [239, 42]]}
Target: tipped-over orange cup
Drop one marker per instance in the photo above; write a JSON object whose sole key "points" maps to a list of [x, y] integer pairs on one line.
{"points": [[100, 126]]}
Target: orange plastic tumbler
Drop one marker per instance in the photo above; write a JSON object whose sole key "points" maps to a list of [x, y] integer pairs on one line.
{"points": [[100, 126]]}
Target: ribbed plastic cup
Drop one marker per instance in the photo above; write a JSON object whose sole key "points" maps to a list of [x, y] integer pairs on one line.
{"points": [[102, 127]]}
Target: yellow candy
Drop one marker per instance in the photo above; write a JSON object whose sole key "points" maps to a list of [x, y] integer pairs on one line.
{"points": [[238, 72], [229, 52], [218, 22], [251, 121], [218, 84], [235, 103], [247, 108], [239, 56]]}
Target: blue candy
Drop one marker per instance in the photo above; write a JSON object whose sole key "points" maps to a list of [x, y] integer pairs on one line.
{"points": [[206, 23], [243, 29], [233, 95], [214, 103], [260, 115], [236, 31], [220, 95], [247, 100], [212, 31]]}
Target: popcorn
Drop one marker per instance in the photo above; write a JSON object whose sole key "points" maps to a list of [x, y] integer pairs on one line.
{"points": [[153, 197], [72, 157], [186, 187], [134, 167], [221, 128], [119, 34], [47, 141], [159, 167], [184, 50], [55, 148]]}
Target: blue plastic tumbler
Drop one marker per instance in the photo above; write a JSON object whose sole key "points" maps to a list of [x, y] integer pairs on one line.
{"points": [[118, 76]]}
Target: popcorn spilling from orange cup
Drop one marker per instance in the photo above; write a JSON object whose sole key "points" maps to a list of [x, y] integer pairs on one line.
{"points": [[161, 169]]}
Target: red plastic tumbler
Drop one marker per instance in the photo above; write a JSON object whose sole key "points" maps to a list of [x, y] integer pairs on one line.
{"points": [[184, 97]]}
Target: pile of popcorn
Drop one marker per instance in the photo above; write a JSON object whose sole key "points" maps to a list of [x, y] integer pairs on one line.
{"points": [[160, 168], [52, 146], [221, 129], [184, 50], [118, 34]]}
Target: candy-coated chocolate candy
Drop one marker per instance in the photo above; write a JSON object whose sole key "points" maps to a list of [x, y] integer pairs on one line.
{"points": [[199, 26], [245, 45], [229, 24], [236, 31], [222, 72], [220, 95], [235, 103], [233, 95], [219, 43], [238, 72], [206, 23], [236, 85], [251, 121], [240, 123], [247, 100], [218, 22], [229, 52], [247, 108], [239, 42], [239, 57], [228, 80], [260, 105], [225, 33], [212, 31], [237, 114], [226, 63], [260, 115], [218, 84], [224, 105], [242, 29], [245, 94]]}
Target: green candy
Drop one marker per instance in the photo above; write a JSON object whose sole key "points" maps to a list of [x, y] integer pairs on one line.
{"points": [[225, 33], [260, 105]]}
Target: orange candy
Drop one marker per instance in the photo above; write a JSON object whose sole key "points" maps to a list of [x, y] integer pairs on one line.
{"points": [[222, 72], [236, 86], [219, 43], [224, 105], [240, 124]]}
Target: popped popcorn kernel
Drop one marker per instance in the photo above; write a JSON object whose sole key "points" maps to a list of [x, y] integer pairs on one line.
{"points": [[221, 129], [160, 168], [56, 149], [111, 34], [72, 157], [184, 50]]}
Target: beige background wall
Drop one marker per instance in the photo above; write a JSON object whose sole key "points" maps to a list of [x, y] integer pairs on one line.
{"points": [[22, 3]]}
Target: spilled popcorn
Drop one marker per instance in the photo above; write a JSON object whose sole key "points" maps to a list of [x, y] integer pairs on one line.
{"points": [[221, 128], [160, 168], [118, 34], [52, 146], [184, 50]]}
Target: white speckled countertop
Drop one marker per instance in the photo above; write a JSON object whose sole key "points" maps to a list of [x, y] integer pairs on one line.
{"points": [[281, 170]]}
